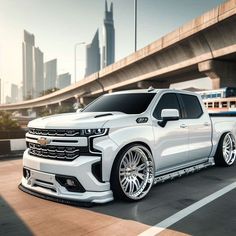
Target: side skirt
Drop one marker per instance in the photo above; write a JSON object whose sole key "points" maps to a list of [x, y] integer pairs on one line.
{"points": [[185, 171]]}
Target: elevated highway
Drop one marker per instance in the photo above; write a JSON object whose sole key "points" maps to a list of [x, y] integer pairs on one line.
{"points": [[205, 46]]}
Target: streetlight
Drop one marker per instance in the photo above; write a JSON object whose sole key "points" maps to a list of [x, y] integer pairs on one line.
{"points": [[75, 55], [135, 25]]}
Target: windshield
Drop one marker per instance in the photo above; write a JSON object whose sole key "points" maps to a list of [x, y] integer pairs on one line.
{"points": [[130, 103]]}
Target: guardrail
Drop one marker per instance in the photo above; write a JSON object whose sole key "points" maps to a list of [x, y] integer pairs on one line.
{"points": [[12, 134], [12, 142]]}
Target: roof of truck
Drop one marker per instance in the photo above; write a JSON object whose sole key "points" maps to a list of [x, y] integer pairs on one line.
{"points": [[153, 90]]}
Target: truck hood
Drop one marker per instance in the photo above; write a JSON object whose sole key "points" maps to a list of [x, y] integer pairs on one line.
{"points": [[80, 120]]}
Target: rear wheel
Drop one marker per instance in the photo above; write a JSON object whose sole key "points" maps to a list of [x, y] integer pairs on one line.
{"points": [[226, 151], [132, 173]]}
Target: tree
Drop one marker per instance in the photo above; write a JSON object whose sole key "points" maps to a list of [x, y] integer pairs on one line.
{"points": [[45, 112], [48, 91], [64, 109], [7, 123]]}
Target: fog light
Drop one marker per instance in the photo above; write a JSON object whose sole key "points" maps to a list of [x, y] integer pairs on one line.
{"points": [[70, 182]]}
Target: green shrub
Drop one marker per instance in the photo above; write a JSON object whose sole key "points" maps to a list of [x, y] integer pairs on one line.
{"points": [[7, 123]]}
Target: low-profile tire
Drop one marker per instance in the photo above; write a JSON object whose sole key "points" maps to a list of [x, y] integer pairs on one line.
{"points": [[226, 150], [132, 173]]}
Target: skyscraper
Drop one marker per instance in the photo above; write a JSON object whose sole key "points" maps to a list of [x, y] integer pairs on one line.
{"points": [[38, 79], [32, 68], [108, 50], [50, 73], [27, 52], [63, 80], [14, 93], [93, 56]]}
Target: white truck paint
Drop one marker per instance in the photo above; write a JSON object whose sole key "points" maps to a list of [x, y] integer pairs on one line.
{"points": [[122, 143]]}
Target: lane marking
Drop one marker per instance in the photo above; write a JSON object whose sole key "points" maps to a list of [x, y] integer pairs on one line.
{"points": [[156, 229]]}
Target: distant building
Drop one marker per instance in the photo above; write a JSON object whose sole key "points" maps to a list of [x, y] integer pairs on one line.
{"points": [[32, 67], [27, 53], [93, 56], [50, 74], [20, 94], [14, 93], [8, 100], [38, 79], [108, 51], [0, 91], [63, 80]]}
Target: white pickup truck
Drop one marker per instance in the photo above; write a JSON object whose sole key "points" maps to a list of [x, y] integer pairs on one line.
{"points": [[123, 143]]}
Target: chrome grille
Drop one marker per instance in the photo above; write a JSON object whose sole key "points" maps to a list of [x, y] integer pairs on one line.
{"points": [[58, 132], [54, 152], [63, 144]]}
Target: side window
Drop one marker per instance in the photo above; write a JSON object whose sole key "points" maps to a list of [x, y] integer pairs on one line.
{"points": [[167, 101], [192, 106]]}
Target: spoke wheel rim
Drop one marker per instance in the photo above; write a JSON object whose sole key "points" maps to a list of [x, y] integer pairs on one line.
{"points": [[229, 149], [136, 172]]}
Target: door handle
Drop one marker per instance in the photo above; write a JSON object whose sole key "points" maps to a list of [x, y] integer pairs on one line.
{"points": [[206, 124], [183, 126]]}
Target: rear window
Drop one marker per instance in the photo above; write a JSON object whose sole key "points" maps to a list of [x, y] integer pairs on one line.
{"points": [[192, 106], [130, 103]]}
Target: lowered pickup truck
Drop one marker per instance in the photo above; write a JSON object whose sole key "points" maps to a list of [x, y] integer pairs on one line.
{"points": [[123, 143]]}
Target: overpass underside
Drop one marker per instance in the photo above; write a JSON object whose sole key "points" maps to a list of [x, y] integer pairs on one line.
{"points": [[208, 53]]}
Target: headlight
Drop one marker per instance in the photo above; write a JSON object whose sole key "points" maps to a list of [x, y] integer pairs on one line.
{"points": [[91, 132]]}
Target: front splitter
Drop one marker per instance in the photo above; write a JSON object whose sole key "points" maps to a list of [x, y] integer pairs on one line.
{"points": [[55, 199]]}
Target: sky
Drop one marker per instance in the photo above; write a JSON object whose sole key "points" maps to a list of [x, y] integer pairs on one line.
{"points": [[59, 24]]}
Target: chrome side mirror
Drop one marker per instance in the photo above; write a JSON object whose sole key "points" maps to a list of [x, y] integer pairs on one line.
{"points": [[168, 115]]}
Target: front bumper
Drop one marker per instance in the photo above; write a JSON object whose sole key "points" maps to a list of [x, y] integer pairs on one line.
{"points": [[42, 180]]}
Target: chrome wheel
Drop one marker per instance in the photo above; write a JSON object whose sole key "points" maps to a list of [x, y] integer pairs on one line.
{"points": [[229, 149], [136, 172]]}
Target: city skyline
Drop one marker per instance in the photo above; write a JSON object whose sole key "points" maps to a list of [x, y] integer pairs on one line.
{"points": [[50, 72], [155, 19], [93, 56], [108, 37], [63, 80]]}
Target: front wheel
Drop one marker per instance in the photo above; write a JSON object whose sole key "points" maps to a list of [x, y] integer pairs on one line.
{"points": [[132, 173], [226, 151]]}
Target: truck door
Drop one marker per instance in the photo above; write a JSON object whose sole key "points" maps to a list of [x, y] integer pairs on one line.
{"points": [[199, 128], [171, 141]]}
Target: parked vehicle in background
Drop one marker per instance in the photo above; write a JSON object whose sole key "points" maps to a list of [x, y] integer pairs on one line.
{"points": [[123, 143]]}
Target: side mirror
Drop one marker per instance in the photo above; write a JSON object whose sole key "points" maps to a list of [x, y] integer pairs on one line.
{"points": [[78, 110], [168, 115]]}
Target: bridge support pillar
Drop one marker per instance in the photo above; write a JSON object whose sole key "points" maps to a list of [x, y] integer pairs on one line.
{"points": [[222, 73]]}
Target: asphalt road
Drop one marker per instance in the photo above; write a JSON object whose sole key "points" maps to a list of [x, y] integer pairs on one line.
{"points": [[123, 218], [166, 199]]}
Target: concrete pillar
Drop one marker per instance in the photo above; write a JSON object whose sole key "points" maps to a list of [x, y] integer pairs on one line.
{"points": [[222, 73]]}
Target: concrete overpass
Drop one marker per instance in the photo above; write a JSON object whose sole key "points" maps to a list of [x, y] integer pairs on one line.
{"points": [[205, 46]]}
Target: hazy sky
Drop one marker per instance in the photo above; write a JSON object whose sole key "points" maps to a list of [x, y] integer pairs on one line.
{"points": [[59, 24]]}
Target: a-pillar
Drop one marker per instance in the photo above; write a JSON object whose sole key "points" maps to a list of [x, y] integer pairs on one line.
{"points": [[222, 73], [86, 100]]}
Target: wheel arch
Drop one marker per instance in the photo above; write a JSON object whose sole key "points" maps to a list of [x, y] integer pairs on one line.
{"points": [[216, 142], [220, 137], [219, 159], [129, 144]]}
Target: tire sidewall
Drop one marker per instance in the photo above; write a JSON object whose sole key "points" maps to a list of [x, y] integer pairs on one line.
{"points": [[115, 181]]}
